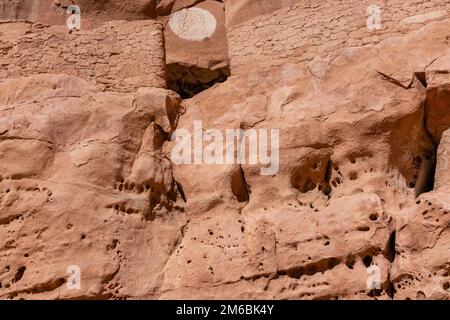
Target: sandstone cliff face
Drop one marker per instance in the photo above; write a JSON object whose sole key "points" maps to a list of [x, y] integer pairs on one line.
{"points": [[92, 204]]}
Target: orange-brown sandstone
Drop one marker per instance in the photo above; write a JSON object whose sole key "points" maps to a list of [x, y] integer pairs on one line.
{"points": [[87, 178]]}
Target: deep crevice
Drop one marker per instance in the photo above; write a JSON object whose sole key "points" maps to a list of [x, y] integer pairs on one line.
{"points": [[311, 268], [239, 186], [425, 180], [181, 191], [325, 186], [390, 251], [390, 289], [421, 76]]}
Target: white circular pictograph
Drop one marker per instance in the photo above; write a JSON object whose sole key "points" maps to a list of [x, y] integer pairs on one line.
{"points": [[194, 24]]}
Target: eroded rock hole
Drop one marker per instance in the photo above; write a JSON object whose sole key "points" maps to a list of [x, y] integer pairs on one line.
{"points": [[426, 174], [317, 172], [421, 173], [446, 286], [19, 274], [435, 123], [311, 268], [421, 295], [367, 261], [239, 186], [325, 185], [390, 247], [350, 262], [188, 81], [375, 293]]}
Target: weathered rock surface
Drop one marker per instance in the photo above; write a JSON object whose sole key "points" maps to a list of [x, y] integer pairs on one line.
{"points": [[120, 56], [95, 188], [362, 190]]}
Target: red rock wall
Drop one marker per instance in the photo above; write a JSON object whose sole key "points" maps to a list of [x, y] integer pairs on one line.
{"points": [[87, 181], [119, 56], [260, 35]]}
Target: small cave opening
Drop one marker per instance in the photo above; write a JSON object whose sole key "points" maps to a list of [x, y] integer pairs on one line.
{"points": [[390, 251], [426, 175], [425, 172], [239, 186], [367, 260], [19, 274], [188, 81]]}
